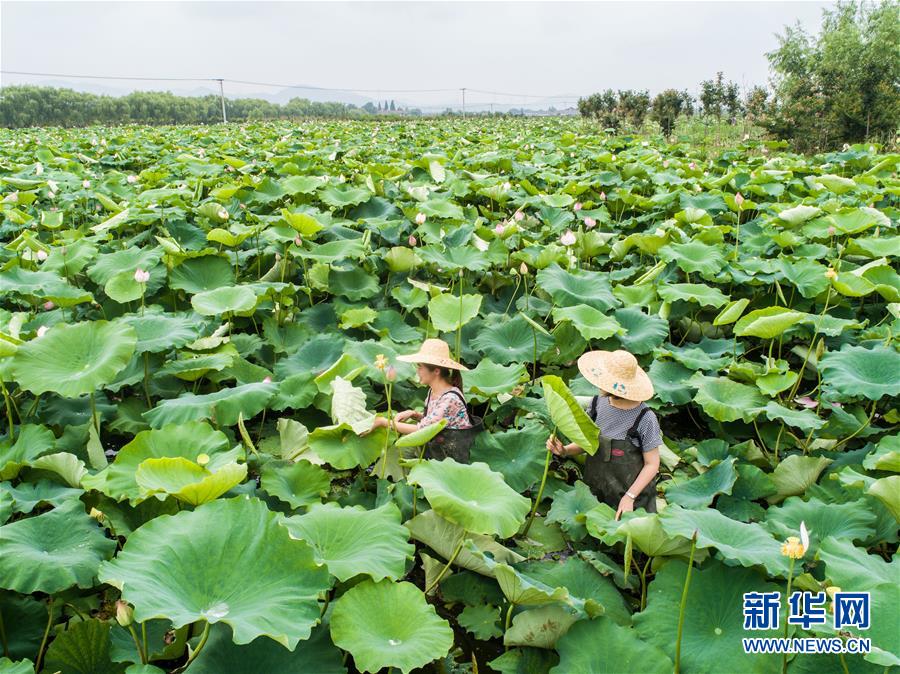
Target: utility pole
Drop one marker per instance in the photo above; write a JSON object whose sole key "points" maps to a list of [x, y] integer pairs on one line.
{"points": [[463, 101], [222, 98]]}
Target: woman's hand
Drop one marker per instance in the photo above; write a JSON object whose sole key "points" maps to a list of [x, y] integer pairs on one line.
{"points": [[626, 505], [408, 414], [377, 422], [555, 445]]}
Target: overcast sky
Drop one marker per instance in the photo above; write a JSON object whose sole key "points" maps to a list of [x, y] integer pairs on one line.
{"points": [[534, 48]]}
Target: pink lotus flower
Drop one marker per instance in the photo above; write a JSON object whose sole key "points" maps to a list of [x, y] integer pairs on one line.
{"points": [[590, 223], [807, 402], [577, 206], [41, 331], [48, 305], [390, 373], [141, 276], [267, 380], [567, 239], [519, 216], [85, 183], [298, 241], [738, 199], [412, 241], [42, 255], [603, 196], [132, 179], [692, 166], [499, 228], [832, 231], [420, 218], [506, 186]]}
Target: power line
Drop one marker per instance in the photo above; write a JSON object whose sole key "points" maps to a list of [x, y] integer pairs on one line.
{"points": [[113, 77]]}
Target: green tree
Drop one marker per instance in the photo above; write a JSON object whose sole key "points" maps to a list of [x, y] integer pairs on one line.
{"points": [[842, 85], [668, 106]]}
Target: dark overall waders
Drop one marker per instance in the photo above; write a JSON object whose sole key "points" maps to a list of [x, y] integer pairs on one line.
{"points": [[454, 442], [611, 471]]}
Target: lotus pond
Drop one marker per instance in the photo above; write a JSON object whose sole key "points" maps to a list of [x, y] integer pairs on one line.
{"points": [[190, 325]]}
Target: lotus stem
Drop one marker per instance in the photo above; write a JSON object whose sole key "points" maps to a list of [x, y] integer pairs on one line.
{"points": [[459, 327], [40, 653], [859, 430], [450, 561], [3, 639], [144, 639], [147, 378], [644, 583], [507, 621], [387, 437], [94, 414], [788, 595], [203, 637], [8, 405], [812, 343], [681, 608], [540, 493], [137, 644]]}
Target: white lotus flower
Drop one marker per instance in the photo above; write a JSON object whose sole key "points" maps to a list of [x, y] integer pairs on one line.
{"points": [[132, 179], [41, 255], [804, 537], [506, 186], [41, 331], [666, 163], [567, 239], [420, 218], [660, 231], [141, 276], [85, 183]]}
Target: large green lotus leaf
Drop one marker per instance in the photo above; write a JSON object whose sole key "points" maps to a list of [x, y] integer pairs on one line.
{"points": [[316, 655], [31, 442], [670, 382], [570, 510], [694, 256], [702, 294], [856, 220], [341, 448], [767, 323], [887, 490], [423, 435], [304, 223], [805, 420], [448, 312], [122, 288], [841, 521], [643, 332], [590, 322], [26, 496], [187, 441], [571, 288], [859, 372], [623, 650], [568, 416], [7, 666], [82, 649], [408, 635], [713, 621], [224, 405], [67, 466], [352, 541], [490, 378], [699, 492], [355, 284], [341, 196], [335, 250], [297, 483], [188, 567], [157, 331], [775, 382], [452, 259], [747, 544], [227, 299], [798, 214], [443, 536], [473, 496], [517, 454], [346, 367], [481, 620], [200, 274], [539, 627], [441, 208], [52, 552], [300, 184], [75, 359], [24, 619], [644, 529], [186, 480], [726, 400], [885, 456], [511, 341], [808, 276], [875, 247], [853, 569], [795, 474], [42, 284], [348, 406]]}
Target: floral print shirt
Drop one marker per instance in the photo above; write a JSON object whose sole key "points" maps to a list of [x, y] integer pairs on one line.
{"points": [[447, 406]]}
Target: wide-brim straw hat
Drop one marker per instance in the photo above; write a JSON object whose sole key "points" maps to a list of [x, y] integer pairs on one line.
{"points": [[616, 372], [433, 352]]}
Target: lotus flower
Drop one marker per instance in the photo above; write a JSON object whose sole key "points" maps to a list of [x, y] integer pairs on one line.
{"points": [[380, 362], [807, 402], [692, 166], [832, 230], [499, 228], [223, 214], [795, 547], [738, 199], [665, 163], [420, 218], [603, 196], [590, 223], [660, 231], [132, 179], [830, 273], [519, 216], [567, 239], [85, 183], [523, 269], [124, 613], [267, 380], [141, 276], [38, 168], [41, 331], [48, 305], [506, 186], [298, 241], [412, 241], [41, 255], [390, 373], [577, 206]]}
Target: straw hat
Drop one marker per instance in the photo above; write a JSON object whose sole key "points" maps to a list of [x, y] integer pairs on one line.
{"points": [[616, 372], [433, 352]]}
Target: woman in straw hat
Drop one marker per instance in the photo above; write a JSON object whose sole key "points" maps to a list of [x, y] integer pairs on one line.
{"points": [[437, 370], [623, 471]]}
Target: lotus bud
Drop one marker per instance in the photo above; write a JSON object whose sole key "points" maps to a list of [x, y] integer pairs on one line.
{"points": [[97, 514], [298, 241], [603, 196], [38, 168], [665, 163], [568, 238], [519, 216], [85, 183], [48, 305], [831, 230], [692, 166], [124, 613], [390, 373], [499, 228], [420, 218], [746, 136], [577, 206], [141, 276], [820, 349], [267, 380], [613, 157], [202, 459], [738, 199], [41, 255], [590, 223], [523, 269], [41, 331], [412, 241], [277, 257]]}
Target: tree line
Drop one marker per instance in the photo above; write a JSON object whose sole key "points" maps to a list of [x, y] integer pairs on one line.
{"points": [[840, 86]]}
